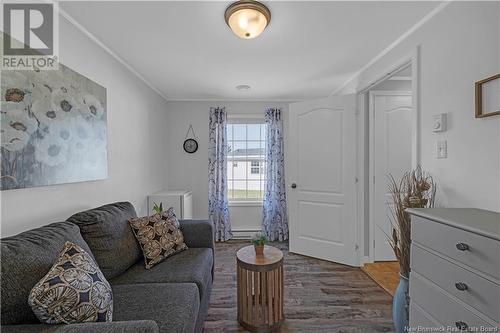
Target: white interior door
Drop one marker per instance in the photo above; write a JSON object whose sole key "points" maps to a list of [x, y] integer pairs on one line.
{"points": [[391, 153], [321, 163]]}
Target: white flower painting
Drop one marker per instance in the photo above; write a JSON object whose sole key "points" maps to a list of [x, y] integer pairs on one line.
{"points": [[53, 128]]}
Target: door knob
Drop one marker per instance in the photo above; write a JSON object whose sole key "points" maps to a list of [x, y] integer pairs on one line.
{"points": [[461, 286], [294, 185], [462, 247]]}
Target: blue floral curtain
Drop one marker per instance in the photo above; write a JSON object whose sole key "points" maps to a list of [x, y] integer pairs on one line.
{"points": [[218, 211], [275, 219]]}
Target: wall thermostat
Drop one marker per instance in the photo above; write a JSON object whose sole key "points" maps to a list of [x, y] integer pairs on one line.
{"points": [[439, 124]]}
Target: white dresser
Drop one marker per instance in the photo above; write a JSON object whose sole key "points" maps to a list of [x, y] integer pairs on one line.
{"points": [[455, 270], [181, 201]]}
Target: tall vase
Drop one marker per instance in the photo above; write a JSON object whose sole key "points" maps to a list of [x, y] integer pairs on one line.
{"points": [[400, 306]]}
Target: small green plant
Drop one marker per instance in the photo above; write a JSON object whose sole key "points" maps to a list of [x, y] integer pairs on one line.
{"points": [[260, 239], [158, 209]]}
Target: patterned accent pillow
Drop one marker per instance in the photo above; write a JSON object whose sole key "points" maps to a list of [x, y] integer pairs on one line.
{"points": [[170, 216], [73, 291], [159, 236]]}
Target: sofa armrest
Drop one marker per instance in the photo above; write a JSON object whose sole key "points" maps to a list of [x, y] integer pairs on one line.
{"points": [[197, 233], [133, 326]]}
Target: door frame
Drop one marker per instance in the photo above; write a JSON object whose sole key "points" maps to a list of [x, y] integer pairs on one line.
{"points": [[371, 159], [364, 233]]}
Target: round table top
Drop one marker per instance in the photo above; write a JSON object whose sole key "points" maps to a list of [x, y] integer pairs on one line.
{"points": [[271, 256]]}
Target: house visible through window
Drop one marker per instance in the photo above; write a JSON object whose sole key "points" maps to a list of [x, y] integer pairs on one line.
{"points": [[246, 166]]}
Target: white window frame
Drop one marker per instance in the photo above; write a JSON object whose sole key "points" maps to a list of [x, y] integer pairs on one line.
{"points": [[247, 119]]}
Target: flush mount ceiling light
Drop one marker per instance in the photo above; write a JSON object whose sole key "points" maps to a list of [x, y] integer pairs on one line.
{"points": [[243, 87], [247, 18]]}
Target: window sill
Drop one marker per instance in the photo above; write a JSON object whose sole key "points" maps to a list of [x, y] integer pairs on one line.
{"points": [[245, 203]]}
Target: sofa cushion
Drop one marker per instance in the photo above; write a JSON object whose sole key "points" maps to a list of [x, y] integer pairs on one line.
{"points": [[192, 265], [173, 306], [108, 234], [129, 326], [26, 258], [159, 237], [73, 291]]}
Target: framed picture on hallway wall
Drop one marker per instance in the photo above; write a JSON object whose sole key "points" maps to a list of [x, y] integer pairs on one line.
{"points": [[488, 97], [53, 128]]}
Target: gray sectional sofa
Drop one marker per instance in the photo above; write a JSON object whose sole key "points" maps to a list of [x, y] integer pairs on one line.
{"points": [[173, 296]]}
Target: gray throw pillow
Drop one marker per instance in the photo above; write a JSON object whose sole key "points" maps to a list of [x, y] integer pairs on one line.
{"points": [[26, 258], [106, 231], [73, 291]]}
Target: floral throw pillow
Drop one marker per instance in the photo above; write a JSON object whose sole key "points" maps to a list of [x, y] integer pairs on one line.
{"points": [[159, 236], [73, 291]]}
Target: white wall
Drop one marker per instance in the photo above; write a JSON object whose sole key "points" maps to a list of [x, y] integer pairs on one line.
{"points": [[190, 171], [137, 120], [458, 46]]}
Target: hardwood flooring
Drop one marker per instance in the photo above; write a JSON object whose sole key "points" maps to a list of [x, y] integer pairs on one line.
{"points": [[384, 273], [320, 296]]}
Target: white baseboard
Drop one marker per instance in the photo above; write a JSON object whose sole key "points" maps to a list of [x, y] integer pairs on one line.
{"points": [[244, 233], [366, 260]]}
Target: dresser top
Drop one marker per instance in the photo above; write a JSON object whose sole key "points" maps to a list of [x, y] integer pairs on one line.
{"points": [[479, 221]]}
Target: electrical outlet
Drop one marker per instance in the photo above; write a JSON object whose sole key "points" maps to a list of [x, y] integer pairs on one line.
{"points": [[441, 149]]}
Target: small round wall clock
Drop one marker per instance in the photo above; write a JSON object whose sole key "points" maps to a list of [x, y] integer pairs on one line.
{"points": [[190, 144]]}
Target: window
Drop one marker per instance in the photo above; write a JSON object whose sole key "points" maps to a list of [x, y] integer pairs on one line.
{"points": [[254, 168], [246, 163]]}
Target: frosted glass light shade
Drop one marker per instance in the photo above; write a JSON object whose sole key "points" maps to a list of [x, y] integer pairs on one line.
{"points": [[247, 19]]}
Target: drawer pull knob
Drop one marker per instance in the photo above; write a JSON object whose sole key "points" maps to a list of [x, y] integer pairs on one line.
{"points": [[462, 326], [462, 246], [461, 286]]}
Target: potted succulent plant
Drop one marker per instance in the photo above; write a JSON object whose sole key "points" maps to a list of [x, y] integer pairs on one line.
{"points": [[158, 209], [258, 241]]}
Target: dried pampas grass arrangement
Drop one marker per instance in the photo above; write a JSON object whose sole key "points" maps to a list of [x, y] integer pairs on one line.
{"points": [[416, 189]]}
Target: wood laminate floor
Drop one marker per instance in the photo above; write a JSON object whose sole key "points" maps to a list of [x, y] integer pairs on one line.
{"points": [[320, 296], [384, 273]]}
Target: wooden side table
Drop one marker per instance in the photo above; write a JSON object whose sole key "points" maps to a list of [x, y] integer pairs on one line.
{"points": [[260, 289]]}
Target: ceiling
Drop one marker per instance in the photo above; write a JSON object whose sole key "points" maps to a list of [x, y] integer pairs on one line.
{"points": [[186, 51]]}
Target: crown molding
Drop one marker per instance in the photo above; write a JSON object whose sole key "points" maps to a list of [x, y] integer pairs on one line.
{"points": [[96, 40], [398, 41], [400, 78], [232, 100]]}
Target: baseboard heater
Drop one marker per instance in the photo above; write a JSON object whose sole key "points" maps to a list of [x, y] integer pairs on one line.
{"points": [[244, 233]]}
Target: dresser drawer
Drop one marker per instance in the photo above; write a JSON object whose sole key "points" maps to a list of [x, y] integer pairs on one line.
{"points": [[420, 320], [482, 253], [436, 301], [479, 293]]}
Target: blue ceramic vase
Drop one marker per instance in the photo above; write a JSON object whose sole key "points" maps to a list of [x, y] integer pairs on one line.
{"points": [[400, 306]]}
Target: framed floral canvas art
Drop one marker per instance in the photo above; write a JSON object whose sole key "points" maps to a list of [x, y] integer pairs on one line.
{"points": [[53, 128]]}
